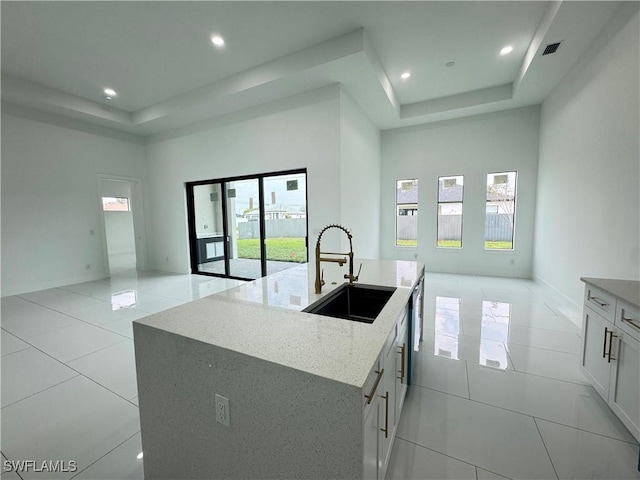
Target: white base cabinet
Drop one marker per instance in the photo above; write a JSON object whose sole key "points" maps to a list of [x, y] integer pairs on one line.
{"points": [[611, 354], [386, 387]]}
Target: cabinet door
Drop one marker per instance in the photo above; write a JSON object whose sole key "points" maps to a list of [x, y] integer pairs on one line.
{"points": [[371, 461], [387, 407], [401, 373], [595, 343], [624, 397]]}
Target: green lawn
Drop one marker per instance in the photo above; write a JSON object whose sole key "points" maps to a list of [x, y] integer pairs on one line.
{"points": [[487, 245], [498, 245], [450, 243], [406, 243], [283, 249]]}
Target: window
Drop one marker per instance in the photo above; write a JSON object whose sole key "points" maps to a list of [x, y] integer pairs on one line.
{"points": [[450, 193], [407, 213], [500, 211], [115, 204]]}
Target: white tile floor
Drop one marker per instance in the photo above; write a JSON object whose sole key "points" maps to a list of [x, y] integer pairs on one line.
{"points": [[497, 392], [68, 371]]}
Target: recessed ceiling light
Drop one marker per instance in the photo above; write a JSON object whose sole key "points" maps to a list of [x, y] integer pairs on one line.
{"points": [[449, 64], [405, 75], [217, 40], [110, 92], [140, 455], [506, 50]]}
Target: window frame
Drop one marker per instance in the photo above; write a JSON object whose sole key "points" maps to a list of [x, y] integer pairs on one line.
{"points": [[416, 183], [513, 213], [438, 203], [127, 203]]}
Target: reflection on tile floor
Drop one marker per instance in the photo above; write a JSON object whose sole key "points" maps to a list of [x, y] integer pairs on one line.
{"points": [[68, 371], [497, 391], [498, 387]]}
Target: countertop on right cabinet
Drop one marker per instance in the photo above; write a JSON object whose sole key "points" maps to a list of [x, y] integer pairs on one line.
{"points": [[627, 290]]}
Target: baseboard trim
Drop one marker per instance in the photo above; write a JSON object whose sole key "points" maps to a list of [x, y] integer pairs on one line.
{"points": [[569, 300]]}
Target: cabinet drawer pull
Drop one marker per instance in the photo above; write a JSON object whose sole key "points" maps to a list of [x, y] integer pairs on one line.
{"points": [[604, 346], [631, 321], [598, 301], [375, 386], [611, 337], [386, 416], [402, 365]]}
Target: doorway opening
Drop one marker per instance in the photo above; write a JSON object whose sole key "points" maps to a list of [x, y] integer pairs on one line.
{"points": [[248, 227], [119, 204]]}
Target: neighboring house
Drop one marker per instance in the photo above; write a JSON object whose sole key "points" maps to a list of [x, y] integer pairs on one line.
{"points": [[407, 198], [449, 198], [500, 203], [276, 212]]}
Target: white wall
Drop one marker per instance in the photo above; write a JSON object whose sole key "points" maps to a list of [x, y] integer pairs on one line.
{"points": [[587, 218], [472, 147], [51, 223], [359, 178], [302, 131]]}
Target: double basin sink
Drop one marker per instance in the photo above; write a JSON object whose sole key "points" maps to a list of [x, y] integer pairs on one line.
{"points": [[357, 302]]}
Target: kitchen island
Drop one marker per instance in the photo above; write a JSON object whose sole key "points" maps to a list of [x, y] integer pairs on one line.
{"points": [[309, 396]]}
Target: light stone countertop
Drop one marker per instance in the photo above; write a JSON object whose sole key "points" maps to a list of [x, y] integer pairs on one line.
{"points": [[263, 319], [627, 290]]}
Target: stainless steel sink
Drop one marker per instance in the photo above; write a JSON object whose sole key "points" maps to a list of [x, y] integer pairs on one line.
{"points": [[361, 303]]}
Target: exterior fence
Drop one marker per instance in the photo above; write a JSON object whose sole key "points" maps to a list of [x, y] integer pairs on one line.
{"points": [[407, 227], [280, 228], [498, 227]]}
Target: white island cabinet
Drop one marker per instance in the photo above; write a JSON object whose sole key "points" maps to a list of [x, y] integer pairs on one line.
{"points": [[309, 396], [611, 345]]}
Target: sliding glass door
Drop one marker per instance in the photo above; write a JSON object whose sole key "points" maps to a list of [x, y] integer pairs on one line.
{"points": [[285, 213], [244, 215], [208, 220], [248, 227]]}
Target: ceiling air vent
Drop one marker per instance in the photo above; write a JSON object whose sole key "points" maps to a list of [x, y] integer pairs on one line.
{"points": [[551, 48]]}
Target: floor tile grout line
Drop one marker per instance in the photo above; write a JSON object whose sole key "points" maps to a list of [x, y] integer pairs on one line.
{"points": [[466, 370], [512, 343], [519, 413], [438, 452], [545, 349], [515, 325], [40, 391], [440, 391], [95, 351], [525, 373], [17, 351], [49, 307], [88, 296], [545, 448], [79, 374], [107, 453], [24, 339], [75, 376], [586, 385], [3, 471], [630, 442], [510, 359]]}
